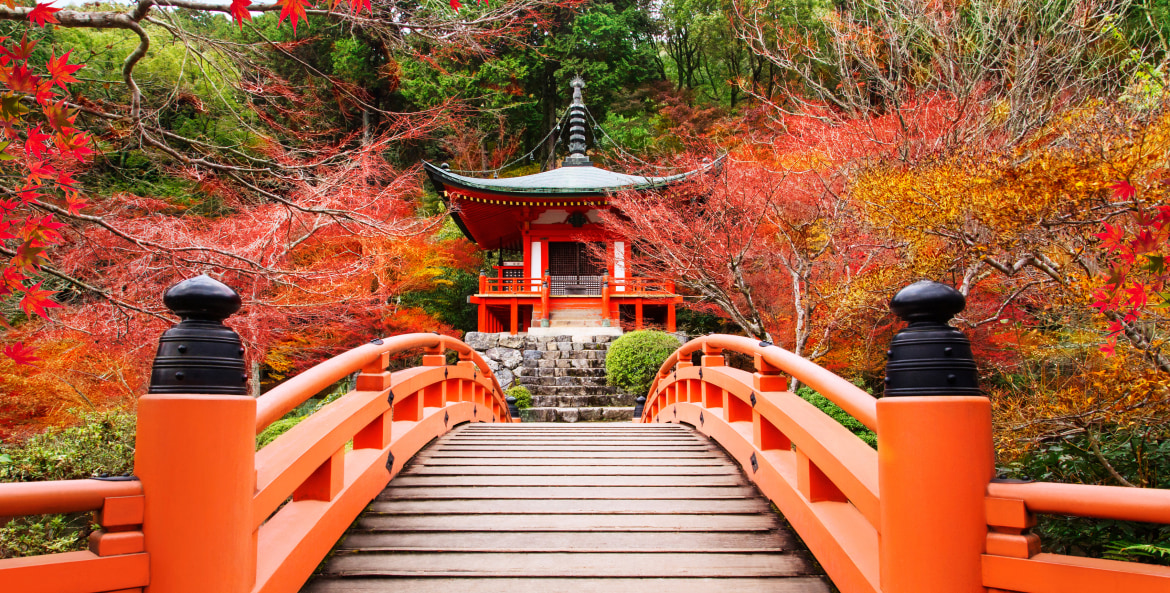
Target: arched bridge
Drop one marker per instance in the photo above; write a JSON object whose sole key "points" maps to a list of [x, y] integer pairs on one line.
{"points": [[681, 499]]}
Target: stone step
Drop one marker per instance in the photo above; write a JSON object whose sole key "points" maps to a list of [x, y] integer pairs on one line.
{"points": [[544, 349], [562, 381], [586, 414], [579, 391], [575, 323], [564, 360], [551, 372], [575, 314], [579, 401]]}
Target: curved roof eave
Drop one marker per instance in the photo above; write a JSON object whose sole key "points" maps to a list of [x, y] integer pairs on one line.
{"points": [[579, 180]]}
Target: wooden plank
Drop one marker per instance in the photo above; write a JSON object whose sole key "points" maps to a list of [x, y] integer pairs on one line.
{"points": [[568, 508], [582, 448], [571, 506], [407, 481], [528, 492], [575, 585], [507, 443], [555, 522], [725, 469], [569, 454], [516, 462], [560, 564], [537, 541]]}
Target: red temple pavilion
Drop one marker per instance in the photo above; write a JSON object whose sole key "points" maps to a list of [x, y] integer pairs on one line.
{"points": [[561, 285]]}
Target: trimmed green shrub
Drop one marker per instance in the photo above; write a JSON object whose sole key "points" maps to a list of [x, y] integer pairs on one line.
{"points": [[834, 411], [522, 395], [301, 412], [102, 445], [633, 359]]}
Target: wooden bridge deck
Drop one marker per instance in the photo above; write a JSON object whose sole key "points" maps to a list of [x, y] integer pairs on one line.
{"points": [[580, 508]]}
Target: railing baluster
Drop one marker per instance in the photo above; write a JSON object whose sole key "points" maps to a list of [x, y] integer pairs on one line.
{"points": [[767, 377], [326, 480], [1010, 521], [813, 483]]}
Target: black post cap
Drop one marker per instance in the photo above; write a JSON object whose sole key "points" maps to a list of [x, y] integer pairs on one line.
{"points": [[927, 301], [639, 405], [512, 408], [202, 297], [200, 355], [930, 357]]}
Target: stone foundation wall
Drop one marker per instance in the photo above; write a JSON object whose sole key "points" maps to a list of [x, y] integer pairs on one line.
{"points": [[513, 356]]}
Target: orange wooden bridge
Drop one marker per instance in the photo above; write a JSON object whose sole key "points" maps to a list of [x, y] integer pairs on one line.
{"points": [[487, 506]]}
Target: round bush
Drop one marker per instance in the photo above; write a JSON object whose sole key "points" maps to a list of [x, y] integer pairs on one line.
{"points": [[634, 359], [522, 395]]}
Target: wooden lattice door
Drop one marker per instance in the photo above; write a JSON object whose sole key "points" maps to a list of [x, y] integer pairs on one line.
{"points": [[573, 270]]}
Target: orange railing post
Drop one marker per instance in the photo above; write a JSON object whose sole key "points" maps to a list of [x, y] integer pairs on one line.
{"points": [[605, 301], [482, 283], [544, 301], [195, 451], [935, 454]]}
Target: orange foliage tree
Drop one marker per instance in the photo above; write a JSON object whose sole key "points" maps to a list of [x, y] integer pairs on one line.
{"points": [[312, 225]]}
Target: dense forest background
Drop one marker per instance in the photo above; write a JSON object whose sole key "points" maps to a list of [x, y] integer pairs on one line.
{"points": [[1016, 149]]}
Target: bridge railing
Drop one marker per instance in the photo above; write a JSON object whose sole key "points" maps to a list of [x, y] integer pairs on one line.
{"points": [[206, 511], [822, 477], [115, 560], [921, 514]]}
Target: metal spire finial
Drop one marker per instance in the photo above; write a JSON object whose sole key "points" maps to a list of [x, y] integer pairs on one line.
{"points": [[577, 146]]}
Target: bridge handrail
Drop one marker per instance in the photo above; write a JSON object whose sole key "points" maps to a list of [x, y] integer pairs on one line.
{"points": [[61, 496], [285, 397], [1088, 500], [866, 516], [853, 400]]}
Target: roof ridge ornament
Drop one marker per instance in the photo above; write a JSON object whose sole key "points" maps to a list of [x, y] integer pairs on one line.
{"points": [[577, 145]]}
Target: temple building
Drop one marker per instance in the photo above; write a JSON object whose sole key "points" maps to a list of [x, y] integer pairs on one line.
{"points": [[563, 283]]}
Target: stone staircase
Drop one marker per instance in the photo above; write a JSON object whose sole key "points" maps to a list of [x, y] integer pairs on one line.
{"points": [[575, 318], [565, 373]]}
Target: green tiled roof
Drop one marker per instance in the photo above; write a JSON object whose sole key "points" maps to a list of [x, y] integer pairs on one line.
{"points": [[565, 180]]}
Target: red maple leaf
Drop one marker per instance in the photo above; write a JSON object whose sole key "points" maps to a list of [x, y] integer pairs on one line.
{"points": [[240, 12], [292, 9], [21, 354], [20, 52], [36, 300], [1122, 190], [356, 6], [38, 171], [42, 231], [76, 145], [11, 279], [60, 71], [29, 197], [75, 202], [66, 181], [59, 116], [43, 13], [34, 144], [456, 4], [21, 79], [1111, 237], [1145, 242]]}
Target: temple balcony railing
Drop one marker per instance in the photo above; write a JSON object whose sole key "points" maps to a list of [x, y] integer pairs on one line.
{"points": [[547, 286], [510, 287]]}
